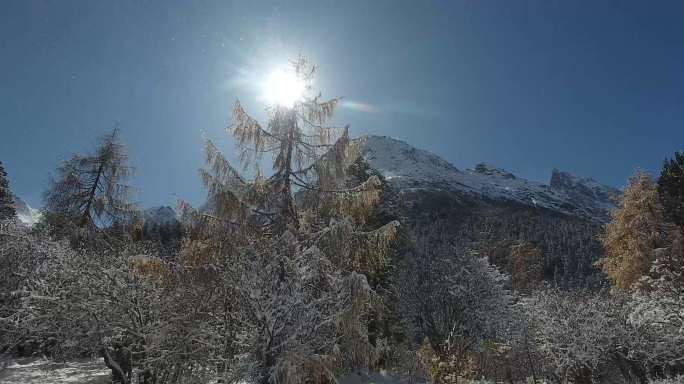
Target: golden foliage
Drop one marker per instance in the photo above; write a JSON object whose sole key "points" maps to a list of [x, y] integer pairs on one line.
{"points": [[447, 367], [527, 266], [633, 233], [152, 268], [358, 203], [429, 360], [197, 253], [364, 252]]}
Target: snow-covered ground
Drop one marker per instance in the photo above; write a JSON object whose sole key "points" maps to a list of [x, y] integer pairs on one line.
{"points": [[42, 371], [368, 378], [93, 371]]}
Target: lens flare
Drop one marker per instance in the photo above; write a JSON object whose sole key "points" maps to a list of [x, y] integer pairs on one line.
{"points": [[283, 88]]}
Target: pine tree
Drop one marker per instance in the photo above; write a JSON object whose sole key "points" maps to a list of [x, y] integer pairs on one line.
{"points": [[91, 189], [6, 203], [671, 189], [633, 234]]}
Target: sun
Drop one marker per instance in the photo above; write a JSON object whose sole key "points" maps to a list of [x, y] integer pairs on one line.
{"points": [[283, 88]]}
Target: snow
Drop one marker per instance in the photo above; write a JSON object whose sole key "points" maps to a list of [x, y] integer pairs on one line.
{"points": [[36, 370], [42, 371], [409, 168], [25, 212], [368, 378]]}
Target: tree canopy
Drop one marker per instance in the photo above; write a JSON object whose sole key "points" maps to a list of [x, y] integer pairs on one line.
{"points": [[91, 189], [6, 202]]}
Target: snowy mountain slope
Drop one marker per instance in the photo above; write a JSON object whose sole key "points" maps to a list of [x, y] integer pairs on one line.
{"points": [[586, 192], [408, 168], [25, 213]]}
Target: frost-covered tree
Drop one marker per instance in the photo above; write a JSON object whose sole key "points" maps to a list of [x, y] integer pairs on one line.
{"points": [[292, 249], [452, 298], [27, 258], [671, 380], [671, 188], [308, 156], [101, 303], [6, 203], [91, 189], [659, 308], [66, 303], [585, 337], [634, 232]]}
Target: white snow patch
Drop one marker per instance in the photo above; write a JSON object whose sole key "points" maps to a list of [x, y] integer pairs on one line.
{"points": [[369, 378], [25, 213], [44, 371]]}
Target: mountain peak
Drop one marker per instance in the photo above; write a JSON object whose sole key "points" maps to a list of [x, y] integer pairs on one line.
{"points": [[585, 186], [409, 168], [402, 162], [561, 179], [486, 169]]}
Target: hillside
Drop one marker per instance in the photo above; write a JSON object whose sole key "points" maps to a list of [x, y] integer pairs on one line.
{"points": [[490, 210]]}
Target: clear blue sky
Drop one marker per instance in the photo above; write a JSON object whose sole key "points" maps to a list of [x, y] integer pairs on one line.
{"points": [[592, 87]]}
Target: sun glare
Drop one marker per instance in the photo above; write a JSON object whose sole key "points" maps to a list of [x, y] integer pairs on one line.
{"points": [[283, 88]]}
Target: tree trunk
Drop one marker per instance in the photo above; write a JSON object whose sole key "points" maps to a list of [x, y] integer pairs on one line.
{"points": [[119, 374], [91, 196], [289, 206]]}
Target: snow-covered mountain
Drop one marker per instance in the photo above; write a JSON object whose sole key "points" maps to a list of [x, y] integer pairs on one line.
{"points": [[25, 213], [409, 169]]}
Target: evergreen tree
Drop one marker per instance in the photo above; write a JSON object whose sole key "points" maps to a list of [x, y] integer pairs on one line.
{"points": [[6, 203], [633, 234], [91, 189], [671, 189]]}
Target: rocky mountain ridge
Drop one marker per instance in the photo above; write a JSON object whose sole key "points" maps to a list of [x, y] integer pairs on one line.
{"points": [[408, 168]]}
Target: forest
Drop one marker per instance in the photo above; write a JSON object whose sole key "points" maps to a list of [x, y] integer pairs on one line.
{"points": [[299, 269]]}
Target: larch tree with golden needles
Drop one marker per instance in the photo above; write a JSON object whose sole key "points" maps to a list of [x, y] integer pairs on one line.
{"points": [[92, 189], [633, 234], [527, 266], [293, 247]]}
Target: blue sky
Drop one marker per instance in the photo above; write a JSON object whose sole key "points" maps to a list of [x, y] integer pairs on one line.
{"points": [[592, 87]]}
